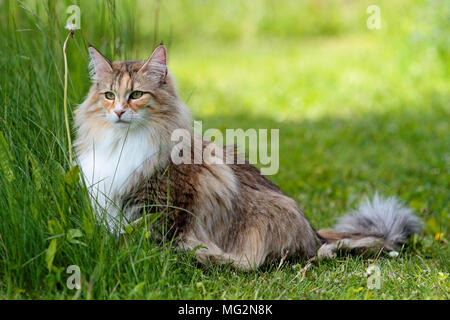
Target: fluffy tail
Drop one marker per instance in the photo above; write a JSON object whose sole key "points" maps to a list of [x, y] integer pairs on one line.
{"points": [[380, 223]]}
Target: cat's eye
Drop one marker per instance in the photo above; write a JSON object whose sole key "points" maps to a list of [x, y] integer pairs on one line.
{"points": [[136, 94], [110, 95]]}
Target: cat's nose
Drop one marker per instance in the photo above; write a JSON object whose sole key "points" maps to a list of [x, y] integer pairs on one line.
{"points": [[119, 112]]}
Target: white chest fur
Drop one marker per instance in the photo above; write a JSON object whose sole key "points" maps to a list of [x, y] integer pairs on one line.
{"points": [[109, 165]]}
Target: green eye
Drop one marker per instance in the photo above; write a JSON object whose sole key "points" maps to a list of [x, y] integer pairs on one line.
{"points": [[136, 94], [109, 95]]}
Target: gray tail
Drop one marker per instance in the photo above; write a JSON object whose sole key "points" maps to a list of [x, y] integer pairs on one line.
{"points": [[378, 223]]}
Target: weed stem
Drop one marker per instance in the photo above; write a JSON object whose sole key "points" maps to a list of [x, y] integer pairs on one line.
{"points": [[66, 115]]}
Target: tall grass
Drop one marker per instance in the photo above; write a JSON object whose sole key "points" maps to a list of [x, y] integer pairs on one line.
{"points": [[351, 123]]}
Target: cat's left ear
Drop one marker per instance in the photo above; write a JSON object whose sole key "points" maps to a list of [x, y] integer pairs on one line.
{"points": [[156, 65], [99, 64]]}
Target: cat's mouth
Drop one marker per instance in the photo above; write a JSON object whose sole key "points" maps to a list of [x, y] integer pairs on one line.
{"points": [[122, 121]]}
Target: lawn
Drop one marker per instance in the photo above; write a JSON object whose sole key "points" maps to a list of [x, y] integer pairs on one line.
{"points": [[358, 111]]}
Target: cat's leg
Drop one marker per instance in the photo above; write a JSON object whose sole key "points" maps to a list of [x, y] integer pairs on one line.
{"points": [[207, 251], [328, 250], [250, 249]]}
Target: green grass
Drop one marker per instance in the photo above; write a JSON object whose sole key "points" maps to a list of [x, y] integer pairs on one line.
{"points": [[358, 111]]}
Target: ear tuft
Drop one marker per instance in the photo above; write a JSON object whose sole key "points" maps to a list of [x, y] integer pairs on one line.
{"points": [[99, 64], [156, 65]]}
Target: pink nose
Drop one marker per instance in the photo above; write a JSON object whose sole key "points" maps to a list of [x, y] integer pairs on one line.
{"points": [[119, 112]]}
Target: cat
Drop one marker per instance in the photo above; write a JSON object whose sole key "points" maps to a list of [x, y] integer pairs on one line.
{"points": [[227, 213]]}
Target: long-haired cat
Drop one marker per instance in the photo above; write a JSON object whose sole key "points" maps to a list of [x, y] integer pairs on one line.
{"points": [[228, 213]]}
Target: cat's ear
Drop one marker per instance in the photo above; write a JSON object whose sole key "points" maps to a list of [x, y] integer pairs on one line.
{"points": [[156, 65], [99, 64]]}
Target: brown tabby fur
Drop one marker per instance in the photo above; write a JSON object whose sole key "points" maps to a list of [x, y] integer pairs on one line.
{"points": [[262, 223]]}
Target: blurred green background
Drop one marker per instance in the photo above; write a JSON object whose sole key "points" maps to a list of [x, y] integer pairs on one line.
{"points": [[358, 110]]}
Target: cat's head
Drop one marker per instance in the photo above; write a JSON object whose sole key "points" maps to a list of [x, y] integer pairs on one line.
{"points": [[130, 94]]}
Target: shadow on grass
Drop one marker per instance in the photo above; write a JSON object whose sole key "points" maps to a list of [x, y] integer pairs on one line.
{"points": [[327, 165]]}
